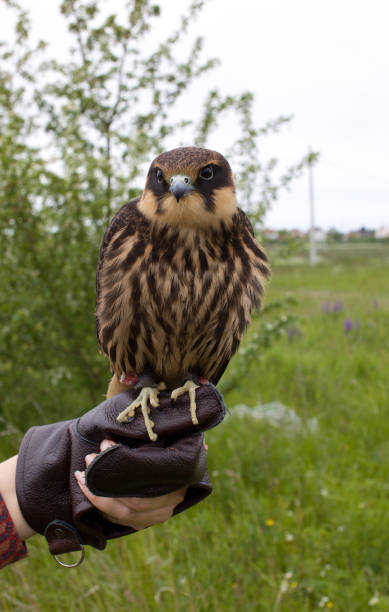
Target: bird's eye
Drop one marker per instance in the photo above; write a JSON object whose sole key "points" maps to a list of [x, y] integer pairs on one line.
{"points": [[159, 175], [206, 173]]}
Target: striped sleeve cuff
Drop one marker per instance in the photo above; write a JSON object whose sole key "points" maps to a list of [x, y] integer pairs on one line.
{"points": [[11, 546]]}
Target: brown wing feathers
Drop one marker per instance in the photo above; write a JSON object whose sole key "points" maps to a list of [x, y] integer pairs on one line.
{"points": [[175, 301]]}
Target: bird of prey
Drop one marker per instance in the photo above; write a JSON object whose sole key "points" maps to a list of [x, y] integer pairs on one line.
{"points": [[179, 273]]}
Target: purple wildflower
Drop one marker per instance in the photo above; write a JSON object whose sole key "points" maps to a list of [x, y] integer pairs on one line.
{"points": [[347, 325], [338, 306], [375, 304]]}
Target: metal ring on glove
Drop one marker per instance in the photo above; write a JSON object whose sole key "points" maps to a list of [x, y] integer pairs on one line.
{"points": [[80, 560]]}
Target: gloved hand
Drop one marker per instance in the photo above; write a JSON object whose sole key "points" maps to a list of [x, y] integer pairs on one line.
{"points": [[49, 496]]}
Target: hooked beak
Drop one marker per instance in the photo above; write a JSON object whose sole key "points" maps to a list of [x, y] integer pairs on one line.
{"points": [[180, 185]]}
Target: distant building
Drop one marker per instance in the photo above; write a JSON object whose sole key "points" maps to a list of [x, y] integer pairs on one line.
{"points": [[335, 235], [296, 233], [270, 234], [319, 235], [382, 232], [361, 234]]}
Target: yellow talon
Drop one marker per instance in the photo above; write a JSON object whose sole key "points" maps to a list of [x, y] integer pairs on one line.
{"points": [[189, 387], [147, 394]]}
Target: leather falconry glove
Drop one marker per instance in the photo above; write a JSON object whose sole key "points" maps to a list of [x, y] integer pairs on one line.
{"points": [[47, 490]]}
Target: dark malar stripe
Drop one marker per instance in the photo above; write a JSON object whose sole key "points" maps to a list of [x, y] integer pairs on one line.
{"points": [[159, 209], [209, 201]]}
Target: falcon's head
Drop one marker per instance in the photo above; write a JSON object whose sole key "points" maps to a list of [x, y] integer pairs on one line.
{"points": [[189, 187]]}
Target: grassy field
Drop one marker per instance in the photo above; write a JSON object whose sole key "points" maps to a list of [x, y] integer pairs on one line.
{"points": [[299, 515]]}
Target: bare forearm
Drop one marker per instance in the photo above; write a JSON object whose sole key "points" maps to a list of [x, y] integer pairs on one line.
{"points": [[8, 493]]}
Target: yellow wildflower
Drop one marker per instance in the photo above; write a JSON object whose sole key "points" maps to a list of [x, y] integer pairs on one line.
{"points": [[270, 523]]}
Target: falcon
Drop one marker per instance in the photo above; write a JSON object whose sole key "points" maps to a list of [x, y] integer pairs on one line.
{"points": [[179, 274]]}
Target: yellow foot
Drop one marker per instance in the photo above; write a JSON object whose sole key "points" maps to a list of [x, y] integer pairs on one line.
{"points": [[147, 394], [189, 387]]}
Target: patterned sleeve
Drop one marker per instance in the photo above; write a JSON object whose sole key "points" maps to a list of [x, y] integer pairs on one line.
{"points": [[11, 546]]}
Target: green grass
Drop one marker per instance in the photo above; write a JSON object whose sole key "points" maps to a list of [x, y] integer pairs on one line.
{"points": [[296, 516]]}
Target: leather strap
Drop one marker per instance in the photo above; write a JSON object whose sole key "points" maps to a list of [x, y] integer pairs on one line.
{"points": [[62, 537]]}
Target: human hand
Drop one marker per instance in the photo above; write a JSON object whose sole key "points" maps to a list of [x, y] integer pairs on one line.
{"points": [[160, 478], [135, 512]]}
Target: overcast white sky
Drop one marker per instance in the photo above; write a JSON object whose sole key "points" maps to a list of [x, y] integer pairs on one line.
{"points": [[326, 62]]}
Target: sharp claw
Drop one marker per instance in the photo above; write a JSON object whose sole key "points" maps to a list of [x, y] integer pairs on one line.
{"points": [[192, 397], [147, 394], [189, 387]]}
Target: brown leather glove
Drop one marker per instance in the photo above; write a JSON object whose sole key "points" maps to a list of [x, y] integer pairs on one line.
{"points": [[48, 493]]}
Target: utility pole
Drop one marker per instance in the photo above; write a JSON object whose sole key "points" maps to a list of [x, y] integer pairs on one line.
{"points": [[312, 243]]}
